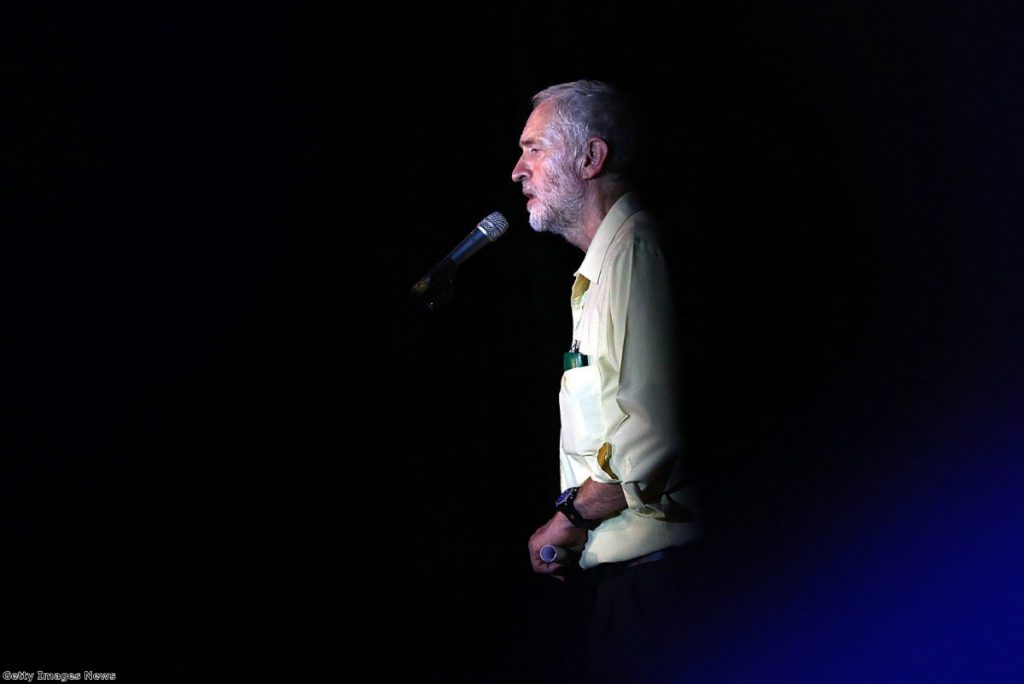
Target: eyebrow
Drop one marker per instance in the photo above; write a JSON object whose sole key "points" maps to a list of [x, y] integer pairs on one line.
{"points": [[527, 142]]}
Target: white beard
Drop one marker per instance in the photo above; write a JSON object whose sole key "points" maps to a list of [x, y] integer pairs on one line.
{"points": [[561, 211]]}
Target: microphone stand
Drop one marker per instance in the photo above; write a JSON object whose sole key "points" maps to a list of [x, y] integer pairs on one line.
{"points": [[439, 295], [435, 290]]}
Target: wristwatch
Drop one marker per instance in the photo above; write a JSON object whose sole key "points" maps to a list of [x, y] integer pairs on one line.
{"points": [[566, 504]]}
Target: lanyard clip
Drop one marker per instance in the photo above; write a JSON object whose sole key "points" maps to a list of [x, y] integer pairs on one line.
{"points": [[573, 358]]}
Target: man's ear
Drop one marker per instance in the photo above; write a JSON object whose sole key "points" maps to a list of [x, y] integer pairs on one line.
{"points": [[595, 154]]}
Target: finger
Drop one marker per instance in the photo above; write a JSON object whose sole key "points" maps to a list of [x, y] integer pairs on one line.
{"points": [[549, 568]]}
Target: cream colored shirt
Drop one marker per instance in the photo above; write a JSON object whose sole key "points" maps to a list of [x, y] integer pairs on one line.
{"points": [[619, 413]]}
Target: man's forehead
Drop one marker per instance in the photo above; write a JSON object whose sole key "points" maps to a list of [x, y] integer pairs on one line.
{"points": [[539, 125]]}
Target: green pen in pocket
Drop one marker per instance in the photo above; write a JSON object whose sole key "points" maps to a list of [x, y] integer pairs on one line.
{"points": [[573, 358]]}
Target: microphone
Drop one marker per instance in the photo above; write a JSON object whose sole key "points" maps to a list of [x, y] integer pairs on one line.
{"points": [[553, 554], [487, 231]]}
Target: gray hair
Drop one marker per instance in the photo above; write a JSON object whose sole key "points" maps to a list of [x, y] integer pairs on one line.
{"points": [[595, 109]]}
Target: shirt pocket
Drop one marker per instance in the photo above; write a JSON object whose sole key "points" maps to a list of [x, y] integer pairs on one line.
{"points": [[579, 401]]}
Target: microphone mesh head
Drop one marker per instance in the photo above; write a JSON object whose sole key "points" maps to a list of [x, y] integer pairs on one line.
{"points": [[494, 226]]}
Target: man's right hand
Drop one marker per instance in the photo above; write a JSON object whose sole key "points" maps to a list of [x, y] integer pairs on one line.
{"points": [[557, 531]]}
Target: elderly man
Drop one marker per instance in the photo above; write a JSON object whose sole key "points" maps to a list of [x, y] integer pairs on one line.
{"points": [[626, 512]]}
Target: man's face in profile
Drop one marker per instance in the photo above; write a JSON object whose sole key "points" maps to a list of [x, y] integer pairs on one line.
{"points": [[545, 169]]}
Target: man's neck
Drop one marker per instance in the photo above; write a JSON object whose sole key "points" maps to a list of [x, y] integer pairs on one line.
{"points": [[598, 203]]}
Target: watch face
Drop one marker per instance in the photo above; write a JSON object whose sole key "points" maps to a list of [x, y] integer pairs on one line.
{"points": [[564, 496]]}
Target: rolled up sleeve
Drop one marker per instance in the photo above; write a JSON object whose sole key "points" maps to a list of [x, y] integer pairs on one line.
{"points": [[639, 391]]}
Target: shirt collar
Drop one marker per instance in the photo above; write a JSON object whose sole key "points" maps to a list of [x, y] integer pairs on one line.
{"points": [[624, 207]]}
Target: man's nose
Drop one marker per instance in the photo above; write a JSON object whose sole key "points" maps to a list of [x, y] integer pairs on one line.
{"points": [[519, 173]]}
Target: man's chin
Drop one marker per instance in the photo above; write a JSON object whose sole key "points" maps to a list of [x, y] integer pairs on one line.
{"points": [[547, 224], [535, 223]]}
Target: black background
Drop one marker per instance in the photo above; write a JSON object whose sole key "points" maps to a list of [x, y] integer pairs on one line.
{"points": [[230, 447]]}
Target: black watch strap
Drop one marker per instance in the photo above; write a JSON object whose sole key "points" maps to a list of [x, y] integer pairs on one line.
{"points": [[566, 503]]}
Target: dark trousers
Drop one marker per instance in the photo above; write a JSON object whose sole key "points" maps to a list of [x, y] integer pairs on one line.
{"points": [[640, 619]]}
